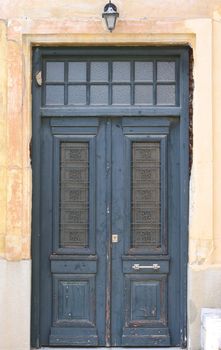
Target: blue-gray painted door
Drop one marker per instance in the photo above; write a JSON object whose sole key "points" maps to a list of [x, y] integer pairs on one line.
{"points": [[145, 261], [110, 231], [110, 197]]}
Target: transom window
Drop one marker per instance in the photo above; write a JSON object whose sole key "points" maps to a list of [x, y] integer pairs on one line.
{"points": [[146, 82]]}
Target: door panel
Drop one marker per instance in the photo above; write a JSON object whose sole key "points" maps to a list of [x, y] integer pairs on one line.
{"points": [[141, 191], [75, 216]]}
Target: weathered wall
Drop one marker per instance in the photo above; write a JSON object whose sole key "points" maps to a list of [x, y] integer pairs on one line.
{"points": [[24, 23]]}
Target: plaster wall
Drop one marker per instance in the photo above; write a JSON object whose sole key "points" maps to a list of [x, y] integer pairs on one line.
{"points": [[170, 22]]}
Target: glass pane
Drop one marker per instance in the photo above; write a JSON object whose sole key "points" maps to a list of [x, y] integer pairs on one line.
{"points": [[54, 95], [99, 71], [121, 95], [77, 71], [74, 194], [77, 95], [145, 206], [55, 71], [110, 21], [166, 95], [99, 95], [121, 71], [166, 71], [143, 95], [143, 71]]}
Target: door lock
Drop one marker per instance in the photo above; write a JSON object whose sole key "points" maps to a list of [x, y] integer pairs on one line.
{"points": [[114, 238]]}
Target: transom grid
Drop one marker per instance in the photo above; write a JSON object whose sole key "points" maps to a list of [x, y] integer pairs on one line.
{"points": [[111, 82]]}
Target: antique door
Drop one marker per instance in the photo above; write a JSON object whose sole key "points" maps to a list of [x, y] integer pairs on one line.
{"points": [[110, 174]]}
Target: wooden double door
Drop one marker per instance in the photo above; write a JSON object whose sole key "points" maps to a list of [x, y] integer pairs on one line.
{"points": [[110, 231], [109, 214]]}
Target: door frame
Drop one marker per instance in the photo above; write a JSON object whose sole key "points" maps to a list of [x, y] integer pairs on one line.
{"points": [[181, 111]]}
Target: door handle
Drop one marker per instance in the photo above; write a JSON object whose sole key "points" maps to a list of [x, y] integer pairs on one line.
{"points": [[152, 267]]}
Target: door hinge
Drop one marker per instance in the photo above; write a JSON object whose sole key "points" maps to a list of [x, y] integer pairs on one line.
{"points": [[30, 151], [38, 77]]}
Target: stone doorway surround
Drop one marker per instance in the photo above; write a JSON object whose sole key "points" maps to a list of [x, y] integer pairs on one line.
{"points": [[17, 39]]}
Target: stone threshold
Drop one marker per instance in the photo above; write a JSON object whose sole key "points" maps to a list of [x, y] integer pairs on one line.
{"points": [[111, 348]]}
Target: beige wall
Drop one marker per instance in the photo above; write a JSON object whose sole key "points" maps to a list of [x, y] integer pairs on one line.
{"points": [[24, 23]]}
